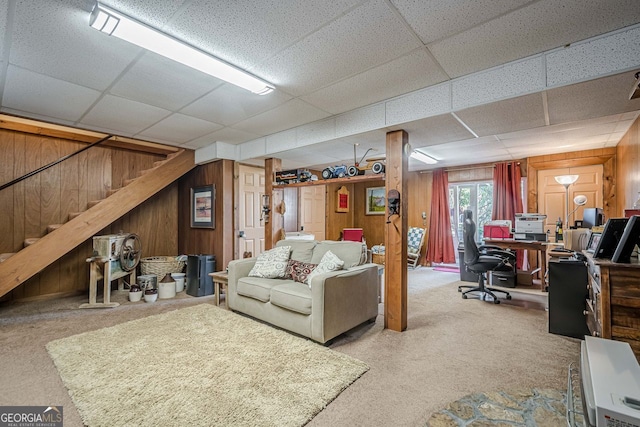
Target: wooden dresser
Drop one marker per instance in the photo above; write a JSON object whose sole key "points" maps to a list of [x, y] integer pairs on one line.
{"points": [[613, 304]]}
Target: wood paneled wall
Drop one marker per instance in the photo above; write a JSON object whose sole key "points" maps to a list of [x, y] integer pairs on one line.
{"points": [[220, 240], [47, 198], [628, 168]]}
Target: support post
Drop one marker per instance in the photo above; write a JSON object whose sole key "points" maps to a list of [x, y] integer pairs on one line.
{"points": [[395, 275], [271, 166]]}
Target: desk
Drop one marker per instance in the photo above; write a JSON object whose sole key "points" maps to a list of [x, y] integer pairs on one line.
{"points": [[531, 245]]}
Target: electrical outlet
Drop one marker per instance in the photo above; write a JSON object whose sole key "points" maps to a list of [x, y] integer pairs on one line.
{"points": [[424, 215]]}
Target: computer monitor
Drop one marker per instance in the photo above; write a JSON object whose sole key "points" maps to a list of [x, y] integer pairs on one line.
{"points": [[630, 238], [611, 235], [592, 217]]}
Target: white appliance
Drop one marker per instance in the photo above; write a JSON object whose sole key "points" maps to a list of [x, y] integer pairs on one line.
{"points": [[610, 383], [530, 223]]}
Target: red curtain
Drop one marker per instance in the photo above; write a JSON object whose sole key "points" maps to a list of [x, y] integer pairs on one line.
{"points": [[507, 195], [440, 245]]}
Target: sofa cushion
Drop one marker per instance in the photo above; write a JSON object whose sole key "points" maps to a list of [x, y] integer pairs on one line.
{"points": [[292, 296], [298, 270], [301, 250], [352, 253], [258, 287], [329, 262], [271, 264]]}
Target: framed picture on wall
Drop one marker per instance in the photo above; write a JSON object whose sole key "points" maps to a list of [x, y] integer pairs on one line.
{"points": [[376, 201], [203, 206]]}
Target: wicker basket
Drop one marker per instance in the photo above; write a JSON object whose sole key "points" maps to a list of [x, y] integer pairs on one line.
{"points": [[377, 258], [161, 265]]}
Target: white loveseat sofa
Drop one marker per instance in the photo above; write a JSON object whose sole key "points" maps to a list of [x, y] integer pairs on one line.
{"points": [[333, 303]]}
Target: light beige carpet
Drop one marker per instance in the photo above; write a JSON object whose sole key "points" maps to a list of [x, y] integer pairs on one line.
{"points": [[199, 366]]}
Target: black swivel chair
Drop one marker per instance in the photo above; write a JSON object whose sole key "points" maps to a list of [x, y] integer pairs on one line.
{"points": [[480, 259]]}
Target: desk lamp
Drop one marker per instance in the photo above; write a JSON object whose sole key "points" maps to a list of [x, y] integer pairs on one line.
{"points": [[566, 181]]}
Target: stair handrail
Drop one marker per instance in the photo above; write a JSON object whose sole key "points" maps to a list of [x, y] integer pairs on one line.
{"points": [[60, 160]]}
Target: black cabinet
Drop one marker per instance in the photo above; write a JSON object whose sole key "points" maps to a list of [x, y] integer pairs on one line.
{"points": [[199, 283], [568, 294]]}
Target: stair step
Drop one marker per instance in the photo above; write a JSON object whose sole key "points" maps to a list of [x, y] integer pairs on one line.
{"points": [[127, 181], [158, 163], [93, 203], [30, 241], [74, 214], [112, 192], [53, 227], [146, 171], [6, 255]]}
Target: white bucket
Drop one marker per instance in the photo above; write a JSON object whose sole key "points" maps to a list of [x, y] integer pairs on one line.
{"points": [[166, 290], [179, 278]]}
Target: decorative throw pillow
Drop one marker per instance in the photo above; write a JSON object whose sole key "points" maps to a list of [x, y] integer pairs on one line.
{"points": [[271, 264], [299, 271], [329, 262]]}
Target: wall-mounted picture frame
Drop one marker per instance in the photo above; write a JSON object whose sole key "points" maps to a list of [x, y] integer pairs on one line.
{"points": [[203, 206], [376, 202]]}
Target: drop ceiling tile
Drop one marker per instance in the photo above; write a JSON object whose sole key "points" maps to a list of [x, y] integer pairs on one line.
{"points": [[227, 135], [290, 114], [434, 130], [595, 98], [158, 81], [230, 104], [363, 38], [178, 128], [524, 112], [281, 141], [436, 19], [4, 5], [28, 91], [127, 116], [419, 104], [379, 83], [151, 12], [321, 130], [72, 51], [597, 57], [514, 79], [247, 32], [537, 27], [360, 120]]}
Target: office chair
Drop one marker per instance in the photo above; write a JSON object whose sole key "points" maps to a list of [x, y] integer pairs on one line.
{"points": [[480, 259]]}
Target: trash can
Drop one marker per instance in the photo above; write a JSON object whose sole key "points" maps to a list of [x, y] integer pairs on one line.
{"points": [[199, 282], [465, 276]]}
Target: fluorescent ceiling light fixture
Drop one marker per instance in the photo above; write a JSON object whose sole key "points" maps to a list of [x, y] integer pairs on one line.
{"points": [[418, 155], [114, 23]]}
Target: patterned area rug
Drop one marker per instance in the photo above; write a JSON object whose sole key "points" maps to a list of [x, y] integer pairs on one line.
{"points": [[530, 408], [199, 366]]}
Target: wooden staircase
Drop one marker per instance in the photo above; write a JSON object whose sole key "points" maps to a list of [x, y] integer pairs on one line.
{"points": [[38, 253]]}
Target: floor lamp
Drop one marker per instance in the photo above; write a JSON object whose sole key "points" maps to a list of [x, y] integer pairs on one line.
{"points": [[566, 181]]}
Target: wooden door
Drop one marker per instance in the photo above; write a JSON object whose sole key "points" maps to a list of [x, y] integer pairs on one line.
{"points": [[250, 236], [311, 208], [552, 196]]}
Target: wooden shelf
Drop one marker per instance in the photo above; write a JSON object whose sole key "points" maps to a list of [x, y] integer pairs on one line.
{"points": [[345, 180]]}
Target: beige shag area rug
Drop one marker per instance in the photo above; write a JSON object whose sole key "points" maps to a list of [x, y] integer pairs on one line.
{"points": [[199, 366]]}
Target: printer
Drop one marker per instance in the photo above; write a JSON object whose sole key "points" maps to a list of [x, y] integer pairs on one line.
{"points": [[530, 226]]}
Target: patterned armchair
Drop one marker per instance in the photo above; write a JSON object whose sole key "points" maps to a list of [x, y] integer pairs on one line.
{"points": [[415, 241]]}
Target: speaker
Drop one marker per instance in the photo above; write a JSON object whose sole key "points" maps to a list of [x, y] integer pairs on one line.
{"points": [[592, 217], [199, 283]]}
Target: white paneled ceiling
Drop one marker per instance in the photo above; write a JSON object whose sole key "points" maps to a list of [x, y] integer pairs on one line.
{"points": [[471, 81]]}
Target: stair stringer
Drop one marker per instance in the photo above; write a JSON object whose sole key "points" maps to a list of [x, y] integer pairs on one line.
{"points": [[34, 258]]}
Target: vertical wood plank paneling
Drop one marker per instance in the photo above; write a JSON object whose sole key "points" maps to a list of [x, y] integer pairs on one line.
{"points": [[373, 226], [50, 195], [337, 221], [419, 200], [291, 215], [628, 168], [6, 196], [32, 204]]}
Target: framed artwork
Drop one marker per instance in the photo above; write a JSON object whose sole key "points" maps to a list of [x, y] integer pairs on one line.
{"points": [[342, 202], [594, 239], [376, 201], [202, 206]]}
